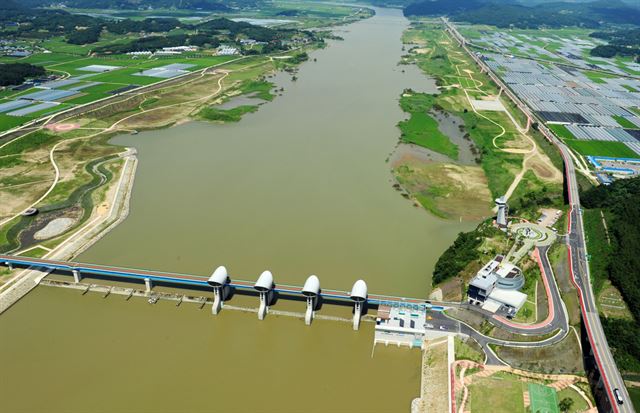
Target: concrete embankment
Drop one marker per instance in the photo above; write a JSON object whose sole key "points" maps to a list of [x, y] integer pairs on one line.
{"points": [[20, 287], [99, 225]]}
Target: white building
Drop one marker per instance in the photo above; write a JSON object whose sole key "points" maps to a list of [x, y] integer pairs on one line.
{"points": [[224, 50], [180, 49], [401, 326], [496, 286]]}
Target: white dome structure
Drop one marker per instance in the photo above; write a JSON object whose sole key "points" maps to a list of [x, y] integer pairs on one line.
{"points": [[359, 291], [219, 277], [265, 282], [311, 287]]}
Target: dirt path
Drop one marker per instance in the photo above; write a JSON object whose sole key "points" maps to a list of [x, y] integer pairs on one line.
{"points": [[557, 381], [530, 153], [111, 128]]}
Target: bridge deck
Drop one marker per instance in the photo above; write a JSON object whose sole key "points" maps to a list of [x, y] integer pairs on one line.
{"points": [[189, 279]]}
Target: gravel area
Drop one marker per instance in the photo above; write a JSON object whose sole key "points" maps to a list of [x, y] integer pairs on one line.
{"points": [[55, 227]]}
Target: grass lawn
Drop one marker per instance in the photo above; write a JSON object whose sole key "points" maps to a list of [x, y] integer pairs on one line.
{"points": [[624, 122], [464, 351], [543, 399], [634, 393], [27, 142], [37, 252], [601, 148], [579, 403], [7, 122], [499, 395]]}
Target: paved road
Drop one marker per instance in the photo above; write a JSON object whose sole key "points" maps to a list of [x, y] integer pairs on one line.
{"points": [[577, 254], [442, 322]]}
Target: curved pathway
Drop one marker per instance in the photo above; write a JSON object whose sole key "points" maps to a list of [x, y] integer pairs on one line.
{"points": [[111, 128]]}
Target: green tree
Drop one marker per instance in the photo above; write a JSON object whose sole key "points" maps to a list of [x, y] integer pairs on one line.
{"points": [[565, 404]]}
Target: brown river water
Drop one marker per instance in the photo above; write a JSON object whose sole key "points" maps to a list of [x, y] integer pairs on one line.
{"points": [[300, 187]]}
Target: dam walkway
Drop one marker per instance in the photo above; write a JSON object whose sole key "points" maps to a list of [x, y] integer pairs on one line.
{"points": [[190, 280]]}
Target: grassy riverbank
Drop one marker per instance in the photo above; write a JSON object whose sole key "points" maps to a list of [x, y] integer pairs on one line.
{"points": [[421, 129], [502, 149]]}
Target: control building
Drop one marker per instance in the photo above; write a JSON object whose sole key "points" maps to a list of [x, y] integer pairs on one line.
{"points": [[496, 287]]}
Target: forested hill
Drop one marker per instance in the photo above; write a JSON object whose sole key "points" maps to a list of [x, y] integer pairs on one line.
{"points": [[621, 201], [505, 13], [209, 5], [623, 42]]}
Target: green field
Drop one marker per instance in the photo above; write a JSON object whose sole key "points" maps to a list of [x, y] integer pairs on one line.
{"points": [[624, 122], [561, 131], [421, 129], [594, 148], [579, 403], [601, 148], [127, 74], [543, 399], [598, 77], [7, 122], [496, 395]]}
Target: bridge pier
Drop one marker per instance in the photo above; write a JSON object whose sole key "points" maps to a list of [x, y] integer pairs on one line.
{"points": [[9, 265], [359, 296], [77, 277], [219, 280], [217, 300], [311, 290], [265, 300], [357, 313], [311, 305], [148, 285]]}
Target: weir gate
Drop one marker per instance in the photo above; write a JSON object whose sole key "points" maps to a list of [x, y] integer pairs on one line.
{"points": [[222, 285]]}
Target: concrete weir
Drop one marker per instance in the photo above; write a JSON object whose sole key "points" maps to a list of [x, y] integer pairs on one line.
{"points": [[222, 285], [128, 293]]}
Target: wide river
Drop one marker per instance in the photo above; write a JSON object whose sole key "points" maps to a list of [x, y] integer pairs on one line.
{"points": [[300, 187]]}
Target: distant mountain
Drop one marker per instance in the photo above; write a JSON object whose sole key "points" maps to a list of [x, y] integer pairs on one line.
{"points": [[530, 3], [551, 14], [209, 5], [9, 5]]}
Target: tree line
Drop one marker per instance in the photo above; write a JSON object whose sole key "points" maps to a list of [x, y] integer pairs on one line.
{"points": [[16, 73], [623, 42], [156, 32], [621, 200], [504, 13]]}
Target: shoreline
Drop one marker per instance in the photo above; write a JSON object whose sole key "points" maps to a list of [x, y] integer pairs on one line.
{"points": [[120, 194]]}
